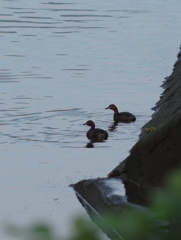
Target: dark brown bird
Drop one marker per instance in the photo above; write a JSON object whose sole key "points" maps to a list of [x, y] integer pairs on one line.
{"points": [[95, 134], [124, 117]]}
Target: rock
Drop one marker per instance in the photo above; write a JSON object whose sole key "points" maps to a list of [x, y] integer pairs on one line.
{"points": [[156, 153], [158, 149]]}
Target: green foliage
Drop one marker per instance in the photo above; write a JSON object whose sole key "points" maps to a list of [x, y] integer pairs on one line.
{"points": [[162, 221], [133, 224], [167, 203], [38, 231], [84, 229]]}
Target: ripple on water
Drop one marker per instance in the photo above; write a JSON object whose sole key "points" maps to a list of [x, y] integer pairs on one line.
{"points": [[62, 64], [63, 127], [7, 77]]}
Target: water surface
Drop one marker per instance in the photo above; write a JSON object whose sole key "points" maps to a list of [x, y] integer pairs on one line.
{"points": [[62, 63]]}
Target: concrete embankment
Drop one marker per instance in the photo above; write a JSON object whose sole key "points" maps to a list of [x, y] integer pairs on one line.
{"points": [[158, 149], [157, 152]]}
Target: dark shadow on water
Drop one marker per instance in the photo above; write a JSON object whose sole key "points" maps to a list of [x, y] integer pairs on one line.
{"points": [[113, 127], [91, 143]]}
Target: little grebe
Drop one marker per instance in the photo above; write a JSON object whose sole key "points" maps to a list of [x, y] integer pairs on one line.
{"points": [[95, 134], [125, 117]]}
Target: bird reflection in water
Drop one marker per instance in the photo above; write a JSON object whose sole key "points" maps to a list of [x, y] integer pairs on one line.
{"points": [[90, 145], [113, 127]]}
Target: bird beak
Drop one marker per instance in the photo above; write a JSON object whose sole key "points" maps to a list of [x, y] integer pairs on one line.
{"points": [[84, 124], [107, 107]]}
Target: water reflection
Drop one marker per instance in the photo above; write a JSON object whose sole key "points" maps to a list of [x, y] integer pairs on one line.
{"points": [[90, 145], [113, 127]]}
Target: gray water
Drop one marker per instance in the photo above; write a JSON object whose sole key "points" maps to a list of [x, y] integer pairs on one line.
{"points": [[62, 63]]}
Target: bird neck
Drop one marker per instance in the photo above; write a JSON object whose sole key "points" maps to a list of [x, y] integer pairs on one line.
{"points": [[92, 126], [115, 110]]}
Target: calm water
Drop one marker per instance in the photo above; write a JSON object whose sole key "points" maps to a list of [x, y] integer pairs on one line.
{"points": [[62, 63]]}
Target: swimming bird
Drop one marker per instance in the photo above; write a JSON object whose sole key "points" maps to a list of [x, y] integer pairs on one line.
{"points": [[124, 117], [95, 134]]}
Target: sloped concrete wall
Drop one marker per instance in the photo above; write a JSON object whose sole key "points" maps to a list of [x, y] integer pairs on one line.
{"points": [[158, 149], [156, 153]]}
